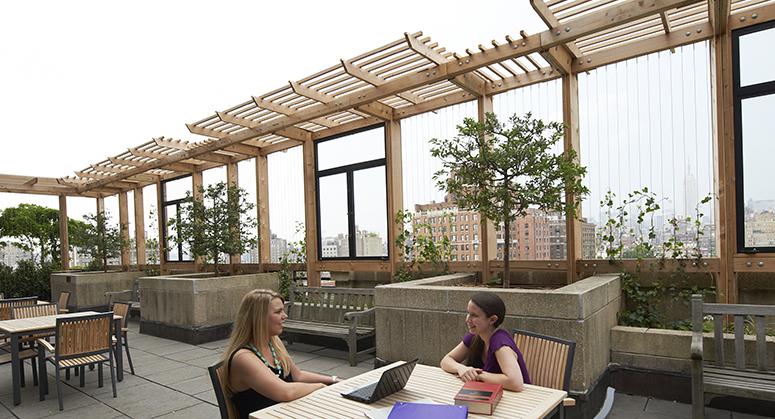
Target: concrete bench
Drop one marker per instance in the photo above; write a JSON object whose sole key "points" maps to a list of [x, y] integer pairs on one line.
{"points": [[343, 313], [719, 377]]}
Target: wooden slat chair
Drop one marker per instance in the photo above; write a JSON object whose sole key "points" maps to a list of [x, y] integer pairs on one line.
{"points": [[6, 307], [225, 406], [549, 360], [131, 297], [722, 377], [122, 309], [37, 310], [64, 299], [80, 341]]}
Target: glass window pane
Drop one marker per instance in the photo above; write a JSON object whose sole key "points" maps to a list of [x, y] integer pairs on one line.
{"points": [[757, 65], [758, 149], [354, 148], [172, 247], [176, 189], [333, 216], [370, 212]]}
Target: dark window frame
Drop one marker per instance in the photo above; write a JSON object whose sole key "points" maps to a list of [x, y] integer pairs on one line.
{"points": [[739, 94], [349, 171], [164, 205]]}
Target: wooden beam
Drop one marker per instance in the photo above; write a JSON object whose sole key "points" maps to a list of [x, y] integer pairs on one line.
{"points": [[395, 191], [374, 80], [310, 214], [262, 210], [718, 15], [753, 16], [123, 227], [129, 181], [469, 82], [552, 23], [135, 178], [435, 104], [350, 126], [572, 142], [175, 167], [232, 179], [139, 227], [286, 110], [31, 182], [160, 223], [288, 132], [665, 22], [375, 109], [487, 229], [604, 18], [559, 58], [690, 35], [283, 145], [64, 242]]}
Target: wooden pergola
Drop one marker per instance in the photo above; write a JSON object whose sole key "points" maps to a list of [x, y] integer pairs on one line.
{"points": [[414, 75]]}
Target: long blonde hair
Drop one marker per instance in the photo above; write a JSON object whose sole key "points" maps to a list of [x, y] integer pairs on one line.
{"points": [[250, 326]]}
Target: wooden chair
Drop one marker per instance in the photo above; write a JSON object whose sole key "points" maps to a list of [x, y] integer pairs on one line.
{"points": [[226, 407], [122, 309], [740, 379], [80, 341], [8, 304], [64, 298], [549, 360], [37, 310]]}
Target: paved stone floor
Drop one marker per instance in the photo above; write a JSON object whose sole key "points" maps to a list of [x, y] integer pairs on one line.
{"points": [[171, 381]]}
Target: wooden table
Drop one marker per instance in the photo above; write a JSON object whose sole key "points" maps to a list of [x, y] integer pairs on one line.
{"points": [[426, 382], [35, 325]]}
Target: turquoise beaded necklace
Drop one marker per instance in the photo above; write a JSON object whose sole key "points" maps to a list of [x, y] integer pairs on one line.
{"points": [[277, 364]]}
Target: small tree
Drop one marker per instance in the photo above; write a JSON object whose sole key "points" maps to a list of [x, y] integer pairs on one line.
{"points": [[219, 223], [102, 240], [417, 246], [501, 171]]}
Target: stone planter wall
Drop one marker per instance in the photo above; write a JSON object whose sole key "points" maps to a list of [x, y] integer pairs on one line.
{"points": [[426, 318], [669, 350], [87, 289], [195, 308]]}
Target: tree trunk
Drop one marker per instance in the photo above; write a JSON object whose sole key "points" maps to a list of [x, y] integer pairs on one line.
{"points": [[506, 251]]}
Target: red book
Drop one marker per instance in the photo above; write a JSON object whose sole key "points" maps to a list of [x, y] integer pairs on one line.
{"points": [[479, 397]]}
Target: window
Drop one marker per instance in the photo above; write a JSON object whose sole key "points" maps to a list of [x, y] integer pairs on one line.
{"points": [[352, 194], [174, 192], [754, 97]]}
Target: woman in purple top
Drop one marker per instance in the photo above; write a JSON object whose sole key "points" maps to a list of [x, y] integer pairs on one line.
{"points": [[487, 353]]}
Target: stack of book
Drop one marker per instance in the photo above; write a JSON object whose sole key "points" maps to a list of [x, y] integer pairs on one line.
{"points": [[479, 397]]}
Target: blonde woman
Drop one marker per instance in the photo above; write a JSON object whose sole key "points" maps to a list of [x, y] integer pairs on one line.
{"points": [[259, 370]]}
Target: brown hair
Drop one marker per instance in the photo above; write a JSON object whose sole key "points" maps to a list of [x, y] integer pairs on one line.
{"points": [[491, 305], [250, 326]]}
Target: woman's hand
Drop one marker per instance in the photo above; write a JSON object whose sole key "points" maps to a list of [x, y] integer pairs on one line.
{"points": [[467, 373]]}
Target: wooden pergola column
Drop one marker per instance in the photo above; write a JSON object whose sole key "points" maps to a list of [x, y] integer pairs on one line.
{"points": [[262, 211], [196, 193], [123, 228], [232, 178], [570, 116], [395, 191], [63, 233], [724, 150], [160, 222], [100, 205], [488, 236], [139, 228], [310, 214]]}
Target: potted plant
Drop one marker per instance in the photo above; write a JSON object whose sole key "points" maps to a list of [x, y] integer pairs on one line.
{"points": [[500, 170]]}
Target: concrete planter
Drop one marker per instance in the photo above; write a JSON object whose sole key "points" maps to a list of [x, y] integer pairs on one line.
{"points": [[426, 318], [87, 289], [195, 308]]}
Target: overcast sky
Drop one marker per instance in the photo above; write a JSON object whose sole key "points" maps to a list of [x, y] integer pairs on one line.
{"points": [[84, 80]]}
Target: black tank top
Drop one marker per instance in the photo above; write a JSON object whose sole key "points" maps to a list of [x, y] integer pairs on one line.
{"points": [[248, 401]]}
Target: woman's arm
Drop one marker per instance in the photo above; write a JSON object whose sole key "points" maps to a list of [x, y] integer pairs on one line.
{"points": [[452, 363], [249, 372], [311, 377], [511, 378]]}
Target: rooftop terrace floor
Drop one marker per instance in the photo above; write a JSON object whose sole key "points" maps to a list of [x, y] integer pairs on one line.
{"points": [[171, 381]]}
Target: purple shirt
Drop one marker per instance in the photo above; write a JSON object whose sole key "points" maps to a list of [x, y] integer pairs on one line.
{"points": [[499, 339]]}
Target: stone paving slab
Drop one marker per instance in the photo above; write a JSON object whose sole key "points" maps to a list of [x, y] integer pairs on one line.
{"points": [[198, 411]]}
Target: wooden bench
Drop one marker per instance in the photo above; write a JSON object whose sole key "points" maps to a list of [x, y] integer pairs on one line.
{"points": [[725, 378], [344, 313]]}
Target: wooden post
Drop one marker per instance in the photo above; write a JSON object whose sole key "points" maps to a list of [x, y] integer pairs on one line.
{"points": [[64, 243], [100, 205], [724, 150], [196, 193], [232, 178], [139, 228], [310, 214], [488, 237], [262, 211], [570, 116], [123, 228], [160, 222], [395, 191]]}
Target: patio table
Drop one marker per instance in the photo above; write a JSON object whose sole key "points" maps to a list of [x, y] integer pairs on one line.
{"points": [[426, 382], [34, 325]]}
